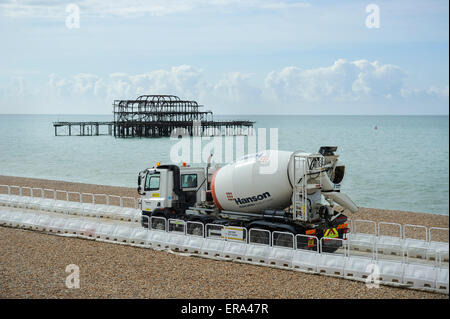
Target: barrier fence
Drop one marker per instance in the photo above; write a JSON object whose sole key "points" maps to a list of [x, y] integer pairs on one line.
{"points": [[301, 252], [74, 203], [399, 258]]}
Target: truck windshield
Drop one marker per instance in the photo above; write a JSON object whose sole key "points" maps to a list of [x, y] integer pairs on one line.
{"points": [[152, 182]]}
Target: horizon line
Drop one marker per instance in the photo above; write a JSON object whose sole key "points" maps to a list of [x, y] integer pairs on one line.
{"points": [[249, 114]]}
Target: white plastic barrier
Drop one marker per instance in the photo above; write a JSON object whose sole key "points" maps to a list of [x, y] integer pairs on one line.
{"points": [[88, 229], [87, 208], [128, 213], [258, 248], [194, 244], [442, 280], [30, 219], [18, 197], [389, 244], [105, 231], [57, 225], [362, 241], [282, 253], [234, 250], [100, 208], [53, 204], [72, 226], [35, 202], [358, 267], [306, 254], [112, 210], [391, 271], [26, 199], [15, 220], [195, 232], [332, 263], [60, 206], [14, 200], [158, 236], [139, 236], [158, 239], [5, 191], [282, 250], [420, 275], [122, 233], [177, 242], [213, 247], [214, 243], [4, 217], [416, 247], [177, 239], [46, 204], [73, 208], [42, 223], [436, 246]]}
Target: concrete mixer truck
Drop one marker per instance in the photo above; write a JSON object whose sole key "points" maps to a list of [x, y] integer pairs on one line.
{"points": [[281, 191]]}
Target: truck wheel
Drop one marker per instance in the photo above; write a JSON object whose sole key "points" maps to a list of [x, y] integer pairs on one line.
{"points": [[158, 223], [283, 240], [330, 246], [259, 237], [195, 229]]}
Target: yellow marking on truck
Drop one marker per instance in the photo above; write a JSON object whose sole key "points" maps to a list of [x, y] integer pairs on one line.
{"points": [[155, 195], [331, 233]]}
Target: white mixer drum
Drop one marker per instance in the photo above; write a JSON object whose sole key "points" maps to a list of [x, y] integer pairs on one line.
{"points": [[254, 183]]}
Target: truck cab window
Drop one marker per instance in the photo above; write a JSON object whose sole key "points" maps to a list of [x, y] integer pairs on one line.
{"points": [[188, 180], [152, 182]]}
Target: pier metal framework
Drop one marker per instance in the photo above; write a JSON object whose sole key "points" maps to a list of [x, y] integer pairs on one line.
{"points": [[160, 115], [83, 128]]}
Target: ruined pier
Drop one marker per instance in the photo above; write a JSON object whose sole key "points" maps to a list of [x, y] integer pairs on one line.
{"points": [[155, 116]]}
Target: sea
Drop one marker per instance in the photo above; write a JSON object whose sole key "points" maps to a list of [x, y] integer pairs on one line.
{"points": [[392, 162]]}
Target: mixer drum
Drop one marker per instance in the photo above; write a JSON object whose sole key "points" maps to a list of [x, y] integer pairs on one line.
{"points": [[254, 183]]}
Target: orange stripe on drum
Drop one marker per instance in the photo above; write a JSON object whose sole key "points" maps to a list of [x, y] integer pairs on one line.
{"points": [[213, 190]]}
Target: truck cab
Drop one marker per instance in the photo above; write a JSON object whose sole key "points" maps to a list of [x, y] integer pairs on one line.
{"points": [[171, 189]]}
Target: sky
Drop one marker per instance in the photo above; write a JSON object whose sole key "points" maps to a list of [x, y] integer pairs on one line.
{"points": [[233, 57]]}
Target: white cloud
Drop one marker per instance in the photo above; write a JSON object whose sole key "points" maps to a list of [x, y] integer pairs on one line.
{"points": [[342, 81], [343, 87], [236, 87], [181, 80], [432, 91]]}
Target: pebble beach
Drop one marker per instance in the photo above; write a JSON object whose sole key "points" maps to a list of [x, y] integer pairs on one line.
{"points": [[32, 265]]}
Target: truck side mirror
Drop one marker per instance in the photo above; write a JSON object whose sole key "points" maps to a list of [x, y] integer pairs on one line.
{"points": [[139, 188]]}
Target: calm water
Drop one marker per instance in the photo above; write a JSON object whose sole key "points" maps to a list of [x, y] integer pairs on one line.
{"points": [[403, 165]]}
